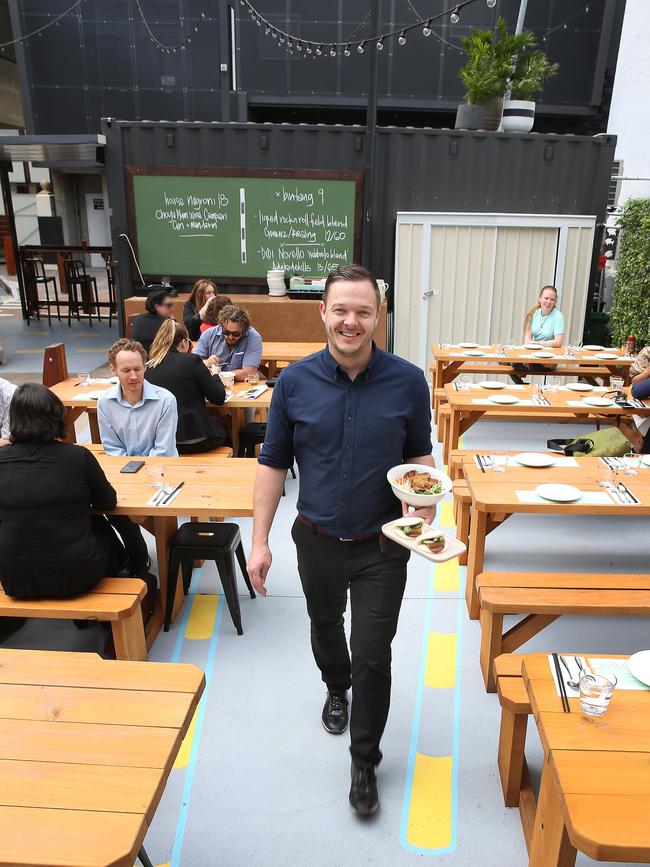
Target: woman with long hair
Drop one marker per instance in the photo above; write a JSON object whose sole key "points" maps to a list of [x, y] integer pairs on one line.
{"points": [[544, 323], [213, 311], [173, 367], [197, 304]]}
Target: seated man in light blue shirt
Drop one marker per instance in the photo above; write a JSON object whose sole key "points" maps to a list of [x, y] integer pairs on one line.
{"points": [[233, 344], [135, 418]]}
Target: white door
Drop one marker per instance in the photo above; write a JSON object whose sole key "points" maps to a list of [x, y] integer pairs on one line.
{"points": [[98, 230]]}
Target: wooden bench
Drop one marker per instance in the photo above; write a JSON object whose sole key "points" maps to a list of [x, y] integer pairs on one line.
{"points": [[515, 710], [116, 600], [462, 503], [545, 596]]}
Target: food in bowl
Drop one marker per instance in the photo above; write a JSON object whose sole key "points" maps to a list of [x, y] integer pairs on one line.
{"points": [[410, 527], [432, 543], [415, 482]]}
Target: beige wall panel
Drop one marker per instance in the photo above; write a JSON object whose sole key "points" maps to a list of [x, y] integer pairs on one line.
{"points": [[576, 280], [406, 301]]}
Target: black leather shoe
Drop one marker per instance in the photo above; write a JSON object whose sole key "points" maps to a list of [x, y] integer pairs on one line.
{"points": [[335, 713], [364, 797]]}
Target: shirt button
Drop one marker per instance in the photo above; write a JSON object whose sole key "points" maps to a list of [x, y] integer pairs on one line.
{"points": [[349, 418], [347, 448], [345, 475]]}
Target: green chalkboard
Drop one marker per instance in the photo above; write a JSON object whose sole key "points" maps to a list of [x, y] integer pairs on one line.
{"points": [[234, 223]]}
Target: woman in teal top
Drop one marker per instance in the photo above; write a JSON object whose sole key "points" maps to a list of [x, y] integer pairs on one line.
{"points": [[544, 323]]}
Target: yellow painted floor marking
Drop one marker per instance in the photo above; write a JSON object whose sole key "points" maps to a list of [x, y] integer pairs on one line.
{"points": [[429, 823], [446, 578], [460, 442], [200, 624], [183, 756], [447, 514], [441, 660], [166, 864]]}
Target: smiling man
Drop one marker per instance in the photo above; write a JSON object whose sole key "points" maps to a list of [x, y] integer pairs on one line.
{"points": [[136, 419], [346, 415], [233, 344]]}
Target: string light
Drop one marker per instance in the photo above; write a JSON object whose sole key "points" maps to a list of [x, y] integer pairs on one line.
{"points": [[491, 4], [402, 38], [332, 51], [380, 44], [455, 17], [361, 47], [346, 50], [426, 30]]}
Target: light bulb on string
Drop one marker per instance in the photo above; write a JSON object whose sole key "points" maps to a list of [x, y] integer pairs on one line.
{"points": [[380, 44], [491, 4], [308, 49], [267, 30], [346, 50], [298, 46], [319, 50], [289, 45], [454, 17], [402, 38], [281, 39], [332, 51], [360, 47], [426, 30]]}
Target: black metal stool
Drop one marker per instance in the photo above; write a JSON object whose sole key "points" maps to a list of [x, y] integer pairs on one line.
{"points": [[213, 541], [251, 435]]}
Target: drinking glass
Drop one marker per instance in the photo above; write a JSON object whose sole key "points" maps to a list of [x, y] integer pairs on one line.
{"points": [[445, 343], [156, 472], [632, 463], [253, 378], [606, 476], [84, 378], [616, 382], [596, 691], [553, 383], [463, 382]]}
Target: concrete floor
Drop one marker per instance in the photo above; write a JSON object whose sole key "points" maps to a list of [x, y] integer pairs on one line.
{"points": [[258, 781]]}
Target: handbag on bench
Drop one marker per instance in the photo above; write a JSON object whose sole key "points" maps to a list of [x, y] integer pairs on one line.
{"points": [[609, 442]]}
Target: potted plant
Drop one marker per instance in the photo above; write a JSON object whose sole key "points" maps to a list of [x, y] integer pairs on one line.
{"points": [[531, 69], [490, 55]]}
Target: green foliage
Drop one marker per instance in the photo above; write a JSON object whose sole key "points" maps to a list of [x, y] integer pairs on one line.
{"points": [[491, 55], [532, 69], [630, 312]]}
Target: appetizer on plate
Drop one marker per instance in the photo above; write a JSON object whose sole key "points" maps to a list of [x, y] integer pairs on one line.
{"points": [[410, 527], [434, 543], [419, 483]]}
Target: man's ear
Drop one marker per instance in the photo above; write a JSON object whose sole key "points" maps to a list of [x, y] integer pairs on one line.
{"points": [[322, 307]]}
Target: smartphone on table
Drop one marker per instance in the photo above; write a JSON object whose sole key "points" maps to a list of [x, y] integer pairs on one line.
{"points": [[132, 467]]}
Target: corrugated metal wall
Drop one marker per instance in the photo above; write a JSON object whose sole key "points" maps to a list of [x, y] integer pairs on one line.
{"points": [[416, 169]]}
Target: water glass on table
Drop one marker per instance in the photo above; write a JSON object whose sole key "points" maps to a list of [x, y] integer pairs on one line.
{"points": [[596, 691], [156, 473], [632, 463], [616, 383], [463, 382], [253, 378], [553, 384], [607, 476]]}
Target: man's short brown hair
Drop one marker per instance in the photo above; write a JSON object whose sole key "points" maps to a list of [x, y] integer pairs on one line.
{"points": [[233, 313], [351, 272], [125, 344]]}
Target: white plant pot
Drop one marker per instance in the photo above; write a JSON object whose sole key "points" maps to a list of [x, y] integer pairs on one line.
{"points": [[518, 115]]}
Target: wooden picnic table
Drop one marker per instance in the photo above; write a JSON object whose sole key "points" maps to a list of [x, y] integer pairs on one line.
{"points": [[275, 351], [215, 487], [467, 406], [76, 399], [595, 790], [86, 749], [450, 361], [494, 498]]}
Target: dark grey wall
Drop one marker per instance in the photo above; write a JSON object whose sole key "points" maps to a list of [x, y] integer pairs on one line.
{"points": [[99, 61], [416, 169]]}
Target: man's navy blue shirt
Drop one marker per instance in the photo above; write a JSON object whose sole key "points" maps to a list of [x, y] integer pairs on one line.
{"points": [[345, 435]]}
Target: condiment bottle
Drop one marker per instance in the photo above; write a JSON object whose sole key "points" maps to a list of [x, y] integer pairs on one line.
{"points": [[631, 344]]}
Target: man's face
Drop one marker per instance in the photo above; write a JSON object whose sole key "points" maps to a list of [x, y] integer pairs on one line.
{"points": [[166, 308], [350, 315], [129, 369], [233, 332]]}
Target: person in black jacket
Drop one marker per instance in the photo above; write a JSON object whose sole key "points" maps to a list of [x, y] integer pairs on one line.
{"points": [[197, 304], [160, 308], [50, 545], [173, 367]]}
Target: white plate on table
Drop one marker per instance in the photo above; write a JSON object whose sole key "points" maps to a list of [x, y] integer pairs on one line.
{"points": [[467, 345], [534, 459], [594, 347], [95, 395], [504, 399], [598, 401], [474, 353], [606, 356], [558, 493], [639, 665], [579, 386], [545, 355], [491, 383], [534, 346], [453, 548]]}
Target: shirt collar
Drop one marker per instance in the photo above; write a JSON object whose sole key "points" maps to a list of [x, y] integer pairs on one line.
{"points": [[149, 392], [337, 372]]}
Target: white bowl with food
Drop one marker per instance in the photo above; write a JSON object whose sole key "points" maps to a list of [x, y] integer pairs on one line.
{"points": [[418, 485]]}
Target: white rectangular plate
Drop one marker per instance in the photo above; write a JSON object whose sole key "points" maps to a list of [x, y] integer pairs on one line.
{"points": [[454, 547]]}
